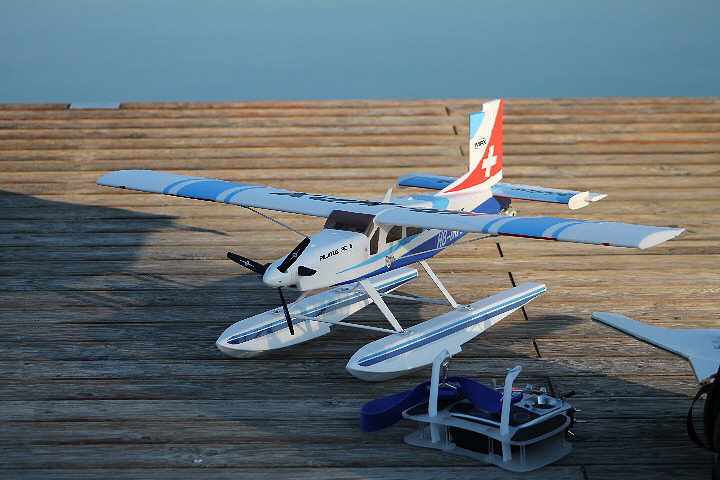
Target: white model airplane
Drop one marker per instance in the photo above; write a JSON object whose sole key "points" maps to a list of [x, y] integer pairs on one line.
{"points": [[366, 246], [699, 346]]}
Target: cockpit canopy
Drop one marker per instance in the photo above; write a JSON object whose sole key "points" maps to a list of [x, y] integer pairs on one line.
{"points": [[350, 222]]}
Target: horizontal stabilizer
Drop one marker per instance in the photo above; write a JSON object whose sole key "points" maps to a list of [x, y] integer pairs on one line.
{"points": [[700, 347], [421, 180], [573, 199]]}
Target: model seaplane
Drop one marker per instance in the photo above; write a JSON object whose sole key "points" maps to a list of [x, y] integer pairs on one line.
{"points": [[364, 251]]}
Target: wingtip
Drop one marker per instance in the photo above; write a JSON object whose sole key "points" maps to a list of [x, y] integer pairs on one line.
{"points": [[583, 199], [110, 179], [608, 318], [106, 180], [659, 237]]}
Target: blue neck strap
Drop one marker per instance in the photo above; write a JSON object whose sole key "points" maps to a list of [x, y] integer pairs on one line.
{"points": [[387, 411]]}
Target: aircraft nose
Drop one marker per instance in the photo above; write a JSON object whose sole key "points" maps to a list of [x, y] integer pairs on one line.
{"points": [[275, 278]]}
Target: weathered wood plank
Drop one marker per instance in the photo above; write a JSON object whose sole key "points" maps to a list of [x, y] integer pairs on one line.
{"points": [[279, 408], [282, 138], [311, 370], [154, 436], [111, 301], [188, 160], [232, 431], [301, 473], [113, 129]]}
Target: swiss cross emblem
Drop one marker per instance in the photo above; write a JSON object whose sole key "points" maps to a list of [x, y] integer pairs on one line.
{"points": [[489, 161]]}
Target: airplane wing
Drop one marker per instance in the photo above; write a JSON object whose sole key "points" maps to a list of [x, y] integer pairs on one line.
{"points": [[548, 228], [236, 193], [697, 346]]}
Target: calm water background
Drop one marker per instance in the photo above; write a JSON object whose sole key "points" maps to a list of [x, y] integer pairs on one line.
{"points": [[184, 50]]}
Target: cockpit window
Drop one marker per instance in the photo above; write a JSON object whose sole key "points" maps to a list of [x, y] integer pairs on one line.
{"points": [[374, 242], [394, 234], [350, 221]]}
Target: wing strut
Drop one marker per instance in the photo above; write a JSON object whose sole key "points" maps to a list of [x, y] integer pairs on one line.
{"points": [[365, 283], [276, 221], [346, 324], [415, 299], [438, 283]]}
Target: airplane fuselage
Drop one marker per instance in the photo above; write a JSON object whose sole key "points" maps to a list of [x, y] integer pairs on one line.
{"points": [[355, 247]]}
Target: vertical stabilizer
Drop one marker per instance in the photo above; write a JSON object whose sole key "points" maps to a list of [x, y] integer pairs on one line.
{"points": [[485, 151]]}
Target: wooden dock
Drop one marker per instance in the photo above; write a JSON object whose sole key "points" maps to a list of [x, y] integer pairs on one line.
{"points": [[111, 301]]}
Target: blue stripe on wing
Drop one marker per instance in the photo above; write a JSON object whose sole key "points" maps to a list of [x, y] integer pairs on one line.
{"points": [[538, 227], [206, 189]]}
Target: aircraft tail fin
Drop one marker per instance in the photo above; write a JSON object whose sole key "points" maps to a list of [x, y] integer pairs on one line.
{"points": [[485, 151]]}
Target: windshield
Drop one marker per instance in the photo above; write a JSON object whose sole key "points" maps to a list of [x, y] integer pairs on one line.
{"points": [[350, 221]]}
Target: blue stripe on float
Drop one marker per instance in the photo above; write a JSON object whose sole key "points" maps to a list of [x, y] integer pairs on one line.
{"points": [[318, 310], [447, 330]]}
